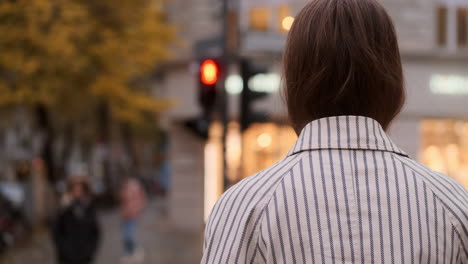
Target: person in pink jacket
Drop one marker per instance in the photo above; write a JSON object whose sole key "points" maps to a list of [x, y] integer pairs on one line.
{"points": [[132, 203]]}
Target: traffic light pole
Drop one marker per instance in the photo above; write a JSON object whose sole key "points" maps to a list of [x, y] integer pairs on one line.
{"points": [[223, 93]]}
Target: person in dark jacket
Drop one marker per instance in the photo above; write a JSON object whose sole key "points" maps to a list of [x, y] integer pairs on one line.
{"points": [[76, 230]]}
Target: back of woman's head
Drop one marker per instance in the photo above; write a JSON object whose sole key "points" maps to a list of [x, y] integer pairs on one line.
{"points": [[342, 58]]}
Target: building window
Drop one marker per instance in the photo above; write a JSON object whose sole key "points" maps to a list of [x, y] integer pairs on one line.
{"points": [[441, 26], [263, 145], [462, 27], [285, 19], [452, 26], [232, 30], [259, 18], [445, 147]]}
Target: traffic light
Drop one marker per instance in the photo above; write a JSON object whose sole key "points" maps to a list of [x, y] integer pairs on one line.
{"points": [[248, 96], [208, 77], [209, 71]]}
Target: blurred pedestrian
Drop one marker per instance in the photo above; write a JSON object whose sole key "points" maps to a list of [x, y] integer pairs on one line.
{"points": [[345, 193], [133, 201], [76, 231], [163, 162]]}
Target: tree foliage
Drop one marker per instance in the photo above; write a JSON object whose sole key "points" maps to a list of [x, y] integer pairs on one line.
{"points": [[71, 55]]}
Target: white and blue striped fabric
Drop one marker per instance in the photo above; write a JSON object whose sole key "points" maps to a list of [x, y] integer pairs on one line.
{"points": [[344, 194]]}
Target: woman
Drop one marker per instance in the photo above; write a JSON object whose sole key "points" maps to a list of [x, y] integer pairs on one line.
{"points": [[76, 230], [345, 193], [133, 200]]}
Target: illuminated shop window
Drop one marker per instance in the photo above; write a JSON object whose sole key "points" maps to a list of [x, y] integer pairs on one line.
{"points": [[445, 147], [213, 168], [264, 145], [259, 18]]}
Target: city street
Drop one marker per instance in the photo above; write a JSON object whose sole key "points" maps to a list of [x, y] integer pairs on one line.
{"points": [[161, 243]]}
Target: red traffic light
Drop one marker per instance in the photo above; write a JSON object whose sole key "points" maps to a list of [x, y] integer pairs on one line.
{"points": [[209, 72]]}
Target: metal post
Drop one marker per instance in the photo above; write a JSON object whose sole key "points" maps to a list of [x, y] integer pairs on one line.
{"points": [[224, 96]]}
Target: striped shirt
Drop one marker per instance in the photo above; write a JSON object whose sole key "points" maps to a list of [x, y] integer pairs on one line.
{"points": [[344, 194]]}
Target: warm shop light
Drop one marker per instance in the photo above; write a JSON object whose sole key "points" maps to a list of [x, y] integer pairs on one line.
{"points": [[213, 176], [264, 140], [287, 23]]}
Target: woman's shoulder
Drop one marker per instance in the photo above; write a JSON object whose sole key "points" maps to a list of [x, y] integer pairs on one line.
{"points": [[446, 191], [253, 193]]}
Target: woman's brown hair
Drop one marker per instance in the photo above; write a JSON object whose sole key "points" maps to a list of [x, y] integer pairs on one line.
{"points": [[342, 58]]}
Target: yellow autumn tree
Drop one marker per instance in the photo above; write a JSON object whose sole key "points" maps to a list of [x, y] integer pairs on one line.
{"points": [[69, 54], [71, 58]]}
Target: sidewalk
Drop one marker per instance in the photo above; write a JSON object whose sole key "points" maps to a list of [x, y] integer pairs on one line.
{"points": [[161, 243]]}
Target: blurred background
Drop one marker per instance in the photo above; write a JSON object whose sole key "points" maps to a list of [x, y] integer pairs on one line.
{"points": [[185, 97]]}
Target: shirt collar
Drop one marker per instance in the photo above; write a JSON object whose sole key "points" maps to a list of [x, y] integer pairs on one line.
{"points": [[344, 132]]}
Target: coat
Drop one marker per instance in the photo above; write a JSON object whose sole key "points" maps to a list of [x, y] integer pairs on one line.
{"points": [[76, 233], [345, 193]]}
